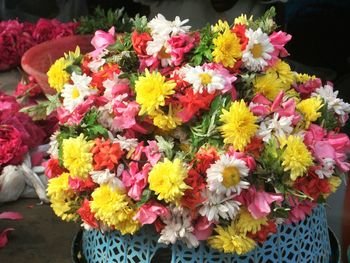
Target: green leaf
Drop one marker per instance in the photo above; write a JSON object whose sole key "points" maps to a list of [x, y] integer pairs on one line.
{"points": [[146, 195]]}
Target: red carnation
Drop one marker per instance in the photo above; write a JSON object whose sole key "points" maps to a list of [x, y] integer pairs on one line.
{"points": [[106, 154], [53, 168], [139, 42], [205, 158], [193, 197], [265, 231], [86, 215]]}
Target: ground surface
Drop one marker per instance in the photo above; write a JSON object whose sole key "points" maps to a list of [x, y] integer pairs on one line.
{"points": [[40, 237]]}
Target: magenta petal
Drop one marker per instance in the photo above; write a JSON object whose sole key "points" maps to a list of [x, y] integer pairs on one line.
{"points": [[11, 215], [3, 236]]}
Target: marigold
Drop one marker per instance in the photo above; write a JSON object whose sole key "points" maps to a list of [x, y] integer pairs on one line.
{"points": [[62, 197], [77, 157], [231, 240], [57, 76], [296, 157], [112, 206], [227, 49], [151, 91], [167, 180], [247, 223], [238, 125], [106, 154], [310, 109]]}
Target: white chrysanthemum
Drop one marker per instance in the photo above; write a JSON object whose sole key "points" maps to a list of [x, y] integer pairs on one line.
{"points": [[331, 98], [53, 149], [204, 79], [161, 26], [327, 169], [161, 31], [106, 177], [258, 50], [74, 94], [218, 206], [279, 127], [126, 144], [178, 226], [226, 174]]}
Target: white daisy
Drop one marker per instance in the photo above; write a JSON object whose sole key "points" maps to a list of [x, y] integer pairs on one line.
{"points": [[74, 94], [279, 127], [218, 206], [327, 169], [257, 51], [226, 174], [331, 98], [178, 226], [204, 79]]}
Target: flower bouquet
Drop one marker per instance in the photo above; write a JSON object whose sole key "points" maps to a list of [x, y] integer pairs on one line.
{"points": [[204, 135]]}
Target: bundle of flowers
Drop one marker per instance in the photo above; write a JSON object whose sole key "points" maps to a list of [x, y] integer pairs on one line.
{"points": [[16, 37], [206, 135]]}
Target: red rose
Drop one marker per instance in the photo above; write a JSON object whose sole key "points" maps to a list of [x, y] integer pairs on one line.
{"points": [[44, 30], [12, 148], [30, 89], [9, 57], [24, 42], [139, 42], [86, 215]]}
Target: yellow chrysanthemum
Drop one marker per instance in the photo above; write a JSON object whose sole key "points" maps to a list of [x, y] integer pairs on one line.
{"points": [[296, 157], [57, 76], [302, 78], [151, 91], [247, 223], [334, 182], [243, 20], [62, 197], [310, 109], [111, 206], [166, 179], [221, 26], [268, 85], [166, 121], [284, 74], [227, 49], [231, 240], [238, 125], [77, 157]]}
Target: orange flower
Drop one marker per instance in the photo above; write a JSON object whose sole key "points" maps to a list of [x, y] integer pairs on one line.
{"points": [[106, 154]]}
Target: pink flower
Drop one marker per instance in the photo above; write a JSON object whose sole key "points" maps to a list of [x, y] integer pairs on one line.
{"points": [[102, 40], [299, 210], [152, 152], [125, 114], [80, 185], [75, 117], [180, 45], [135, 180], [249, 160], [258, 202], [305, 89], [203, 228], [278, 40], [12, 147], [30, 89], [149, 212]]}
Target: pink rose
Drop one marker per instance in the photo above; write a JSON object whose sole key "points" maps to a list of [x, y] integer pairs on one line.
{"points": [[12, 148], [180, 45]]}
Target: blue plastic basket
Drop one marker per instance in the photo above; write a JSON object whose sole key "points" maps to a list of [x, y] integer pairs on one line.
{"points": [[306, 242]]}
